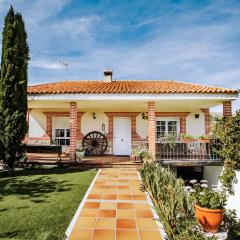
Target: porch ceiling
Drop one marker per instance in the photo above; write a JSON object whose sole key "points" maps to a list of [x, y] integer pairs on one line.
{"points": [[126, 106]]}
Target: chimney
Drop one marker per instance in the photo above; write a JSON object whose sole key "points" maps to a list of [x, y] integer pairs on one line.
{"points": [[107, 76]]}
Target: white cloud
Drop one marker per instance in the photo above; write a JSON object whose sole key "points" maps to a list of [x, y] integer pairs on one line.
{"points": [[45, 63]]}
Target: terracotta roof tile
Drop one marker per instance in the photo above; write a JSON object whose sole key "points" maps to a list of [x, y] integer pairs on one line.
{"points": [[124, 87]]}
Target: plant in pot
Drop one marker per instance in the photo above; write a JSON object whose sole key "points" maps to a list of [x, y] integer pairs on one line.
{"points": [[79, 153], [209, 205], [143, 154], [186, 138], [203, 139]]}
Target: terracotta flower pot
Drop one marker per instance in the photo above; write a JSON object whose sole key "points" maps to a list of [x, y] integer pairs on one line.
{"points": [[187, 140], [210, 219], [204, 140]]}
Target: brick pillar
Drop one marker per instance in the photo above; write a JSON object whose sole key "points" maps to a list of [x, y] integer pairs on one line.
{"points": [[73, 130], [151, 128], [227, 109], [207, 120], [49, 125]]}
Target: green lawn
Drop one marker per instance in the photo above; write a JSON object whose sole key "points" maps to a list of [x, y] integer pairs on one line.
{"points": [[39, 204]]}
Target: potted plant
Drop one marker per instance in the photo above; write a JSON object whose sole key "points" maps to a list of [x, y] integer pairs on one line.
{"points": [[209, 205], [143, 154], [186, 138], [79, 154], [203, 139]]}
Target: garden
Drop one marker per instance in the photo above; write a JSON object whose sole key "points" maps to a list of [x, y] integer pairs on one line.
{"points": [[188, 210]]}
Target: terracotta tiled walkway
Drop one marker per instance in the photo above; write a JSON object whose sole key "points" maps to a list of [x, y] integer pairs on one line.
{"points": [[116, 209]]}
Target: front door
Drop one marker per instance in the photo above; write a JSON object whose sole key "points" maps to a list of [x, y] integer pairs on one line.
{"points": [[121, 136]]}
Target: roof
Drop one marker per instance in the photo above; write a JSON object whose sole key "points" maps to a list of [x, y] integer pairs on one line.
{"points": [[125, 87]]}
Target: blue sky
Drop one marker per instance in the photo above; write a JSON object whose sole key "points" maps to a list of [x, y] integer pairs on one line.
{"points": [[192, 41]]}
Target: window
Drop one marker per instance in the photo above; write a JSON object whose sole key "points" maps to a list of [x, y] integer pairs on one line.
{"points": [[62, 137], [164, 127]]}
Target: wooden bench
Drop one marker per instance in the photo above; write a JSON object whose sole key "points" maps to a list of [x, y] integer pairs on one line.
{"points": [[47, 152]]}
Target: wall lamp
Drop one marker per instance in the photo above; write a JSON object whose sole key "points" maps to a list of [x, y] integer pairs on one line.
{"points": [[144, 116], [94, 115]]}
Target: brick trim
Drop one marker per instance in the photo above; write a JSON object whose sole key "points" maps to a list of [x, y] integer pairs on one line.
{"points": [[182, 116], [172, 114], [207, 121], [49, 125], [132, 115], [67, 114], [227, 109]]}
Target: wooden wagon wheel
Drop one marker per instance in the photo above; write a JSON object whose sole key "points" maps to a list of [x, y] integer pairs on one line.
{"points": [[95, 143]]}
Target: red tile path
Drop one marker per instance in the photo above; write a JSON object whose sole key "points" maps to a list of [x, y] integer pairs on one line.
{"points": [[115, 209]]}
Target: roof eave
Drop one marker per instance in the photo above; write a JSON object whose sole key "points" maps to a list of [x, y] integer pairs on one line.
{"points": [[154, 97]]}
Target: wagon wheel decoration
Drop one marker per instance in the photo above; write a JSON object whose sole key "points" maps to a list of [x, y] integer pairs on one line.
{"points": [[95, 143]]}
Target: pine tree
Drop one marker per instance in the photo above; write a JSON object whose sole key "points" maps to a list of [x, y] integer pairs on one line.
{"points": [[13, 89]]}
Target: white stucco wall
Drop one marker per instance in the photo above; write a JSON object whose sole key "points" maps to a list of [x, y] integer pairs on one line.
{"points": [[37, 123], [89, 124], [141, 126], [195, 126], [212, 173]]}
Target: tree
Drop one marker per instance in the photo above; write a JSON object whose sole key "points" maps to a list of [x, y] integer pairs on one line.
{"points": [[13, 89], [227, 130]]}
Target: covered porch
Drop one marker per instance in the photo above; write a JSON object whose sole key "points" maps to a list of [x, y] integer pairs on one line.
{"points": [[75, 118]]}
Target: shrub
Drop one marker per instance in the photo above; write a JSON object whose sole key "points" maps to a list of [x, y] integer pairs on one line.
{"points": [[227, 130], [234, 232]]}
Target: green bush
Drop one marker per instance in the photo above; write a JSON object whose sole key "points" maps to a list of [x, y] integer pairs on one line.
{"points": [[234, 232], [227, 130]]}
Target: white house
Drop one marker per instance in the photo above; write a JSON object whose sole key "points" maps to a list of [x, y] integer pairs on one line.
{"points": [[129, 113]]}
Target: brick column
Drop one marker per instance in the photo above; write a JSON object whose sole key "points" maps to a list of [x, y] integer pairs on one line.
{"points": [[207, 120], [73, 130], [151, 128], [227, 109]]}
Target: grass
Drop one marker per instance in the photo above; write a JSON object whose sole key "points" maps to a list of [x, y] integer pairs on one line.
{"points": [[39, 204]]}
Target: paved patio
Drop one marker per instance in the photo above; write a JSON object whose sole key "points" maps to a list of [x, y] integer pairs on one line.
{"points": [[115, 209]]}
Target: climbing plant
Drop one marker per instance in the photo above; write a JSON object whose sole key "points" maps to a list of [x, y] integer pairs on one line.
{"points": [[227, 130]]}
